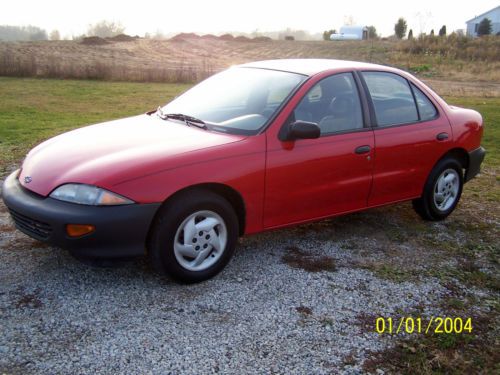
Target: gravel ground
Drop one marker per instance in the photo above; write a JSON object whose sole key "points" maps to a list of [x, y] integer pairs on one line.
{"points": [[289, 302]]}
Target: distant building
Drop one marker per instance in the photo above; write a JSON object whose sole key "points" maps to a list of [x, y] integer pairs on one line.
{"points": [[493, 15], [351, 33]]}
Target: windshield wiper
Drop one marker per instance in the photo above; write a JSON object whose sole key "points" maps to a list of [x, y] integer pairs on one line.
{"points": [[188, 120]]}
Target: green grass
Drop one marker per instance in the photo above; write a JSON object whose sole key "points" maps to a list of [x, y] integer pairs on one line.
{"points": [[488, 107], [32, 110]]}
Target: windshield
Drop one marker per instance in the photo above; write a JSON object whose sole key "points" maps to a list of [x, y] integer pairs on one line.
{"points": [[238, 100]]}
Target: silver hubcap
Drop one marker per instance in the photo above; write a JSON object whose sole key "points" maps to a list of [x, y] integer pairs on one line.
{"points": [[446, 189], [200, 240]]}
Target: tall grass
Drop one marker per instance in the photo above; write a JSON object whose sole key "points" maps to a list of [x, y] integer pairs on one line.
{"points": [[453, 58], [54, 67], [486, 49]]}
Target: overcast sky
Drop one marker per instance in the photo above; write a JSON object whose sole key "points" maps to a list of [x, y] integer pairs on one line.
{"points": [[213, 16]]}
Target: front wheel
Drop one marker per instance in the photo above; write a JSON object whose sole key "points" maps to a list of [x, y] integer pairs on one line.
{"points": [[442, 191], [194, 236]]}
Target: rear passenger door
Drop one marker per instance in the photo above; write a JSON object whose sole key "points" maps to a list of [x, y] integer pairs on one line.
{"points": [[411, 134]]}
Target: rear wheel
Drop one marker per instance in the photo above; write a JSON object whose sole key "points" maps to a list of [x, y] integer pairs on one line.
{"points": [[194, 236], [442, 191]]}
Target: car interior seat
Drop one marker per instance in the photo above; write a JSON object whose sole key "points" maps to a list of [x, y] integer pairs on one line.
{"points": [[342, 110]]}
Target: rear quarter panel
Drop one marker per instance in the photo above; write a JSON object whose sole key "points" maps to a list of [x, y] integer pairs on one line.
{"points": [[467, 126]]}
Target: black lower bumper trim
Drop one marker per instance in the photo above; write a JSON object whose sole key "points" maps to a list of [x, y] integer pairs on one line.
{"points": [[121, 231], [36, 228], [476, 157]]}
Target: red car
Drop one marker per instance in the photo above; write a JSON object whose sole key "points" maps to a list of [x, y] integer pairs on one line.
{"points": [[257, 147]]}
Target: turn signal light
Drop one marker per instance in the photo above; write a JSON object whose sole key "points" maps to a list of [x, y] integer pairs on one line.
{"points": [[78, 230]]}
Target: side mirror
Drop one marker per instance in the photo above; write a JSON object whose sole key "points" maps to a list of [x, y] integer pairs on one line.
{"points": [[302, 130]]}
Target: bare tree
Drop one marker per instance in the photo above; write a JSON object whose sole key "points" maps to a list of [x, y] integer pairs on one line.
{"points": [[105, 29], [349, 20], [423, 19], [54, 35]]}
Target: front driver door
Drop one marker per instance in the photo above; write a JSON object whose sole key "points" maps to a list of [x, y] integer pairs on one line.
{"points": [[314, 178]]}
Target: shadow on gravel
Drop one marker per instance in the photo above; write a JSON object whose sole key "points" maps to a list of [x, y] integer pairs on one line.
{"points": [[105, 262], [25, 299], [297, 258]]}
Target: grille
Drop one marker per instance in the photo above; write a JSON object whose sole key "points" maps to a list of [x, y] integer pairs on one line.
{"points": [[37, 228]]}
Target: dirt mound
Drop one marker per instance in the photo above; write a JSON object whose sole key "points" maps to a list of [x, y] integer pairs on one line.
{"points": [[209, 36], [122, 38], [93, 41], [184, 36], [261, 39], [226, 37], [242, 38]]}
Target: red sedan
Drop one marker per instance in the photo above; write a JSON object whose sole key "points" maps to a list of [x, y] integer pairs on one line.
{"points": [[256, 147]]}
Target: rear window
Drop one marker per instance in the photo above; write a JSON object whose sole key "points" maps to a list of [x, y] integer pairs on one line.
{"points": [[425, 107]]}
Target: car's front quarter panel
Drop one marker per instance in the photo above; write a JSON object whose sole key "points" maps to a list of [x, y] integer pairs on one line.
{"points": [[239, 166], [105, 153]]}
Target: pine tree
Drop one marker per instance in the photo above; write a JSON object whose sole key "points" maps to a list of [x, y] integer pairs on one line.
{"points": [[484, 27], [442, 31]]}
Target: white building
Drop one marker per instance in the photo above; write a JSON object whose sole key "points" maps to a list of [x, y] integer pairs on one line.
{"points": [[493, 15], [351, 33]]}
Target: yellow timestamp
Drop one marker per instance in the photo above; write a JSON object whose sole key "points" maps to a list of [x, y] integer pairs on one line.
{"points": [[435, 324]]}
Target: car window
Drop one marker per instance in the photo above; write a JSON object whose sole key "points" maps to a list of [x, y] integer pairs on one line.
{"points": [[238, 100], [425, 107], [333, 103], [314, 95], [392, 98]]}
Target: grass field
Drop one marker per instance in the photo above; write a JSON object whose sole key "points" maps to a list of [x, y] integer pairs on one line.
{"points": [[32, 110]]}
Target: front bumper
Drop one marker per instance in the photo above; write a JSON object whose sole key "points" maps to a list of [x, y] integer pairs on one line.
{"points": [[120, 230], [476, 157]]}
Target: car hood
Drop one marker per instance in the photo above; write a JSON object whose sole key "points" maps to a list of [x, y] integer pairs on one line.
{"points": [[106, 153]]}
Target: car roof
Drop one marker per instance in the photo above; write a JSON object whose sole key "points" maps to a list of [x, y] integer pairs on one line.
{"points": [[310, 67]]}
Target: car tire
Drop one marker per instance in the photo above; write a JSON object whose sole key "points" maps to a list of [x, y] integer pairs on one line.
{"points": [[442, 191], [193, 236]]}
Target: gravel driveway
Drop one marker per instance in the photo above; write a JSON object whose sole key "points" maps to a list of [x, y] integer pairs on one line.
{"points": [[291, 301]]}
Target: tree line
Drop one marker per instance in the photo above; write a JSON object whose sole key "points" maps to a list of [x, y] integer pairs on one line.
{"points": [[103, 29], [485, 27], [26, 33], [106, 29]]}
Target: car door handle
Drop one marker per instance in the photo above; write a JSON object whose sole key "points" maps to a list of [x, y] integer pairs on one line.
{"points": [[442, 136], [362, 149]]}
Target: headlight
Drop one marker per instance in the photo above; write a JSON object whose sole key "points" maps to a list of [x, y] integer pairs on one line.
{"points": [[89, 195]]}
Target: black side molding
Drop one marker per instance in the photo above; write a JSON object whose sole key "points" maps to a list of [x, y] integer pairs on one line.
{"points": [[476, 157]]}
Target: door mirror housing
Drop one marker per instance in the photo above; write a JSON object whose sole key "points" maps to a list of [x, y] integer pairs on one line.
{"points": [[301, 130]]}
